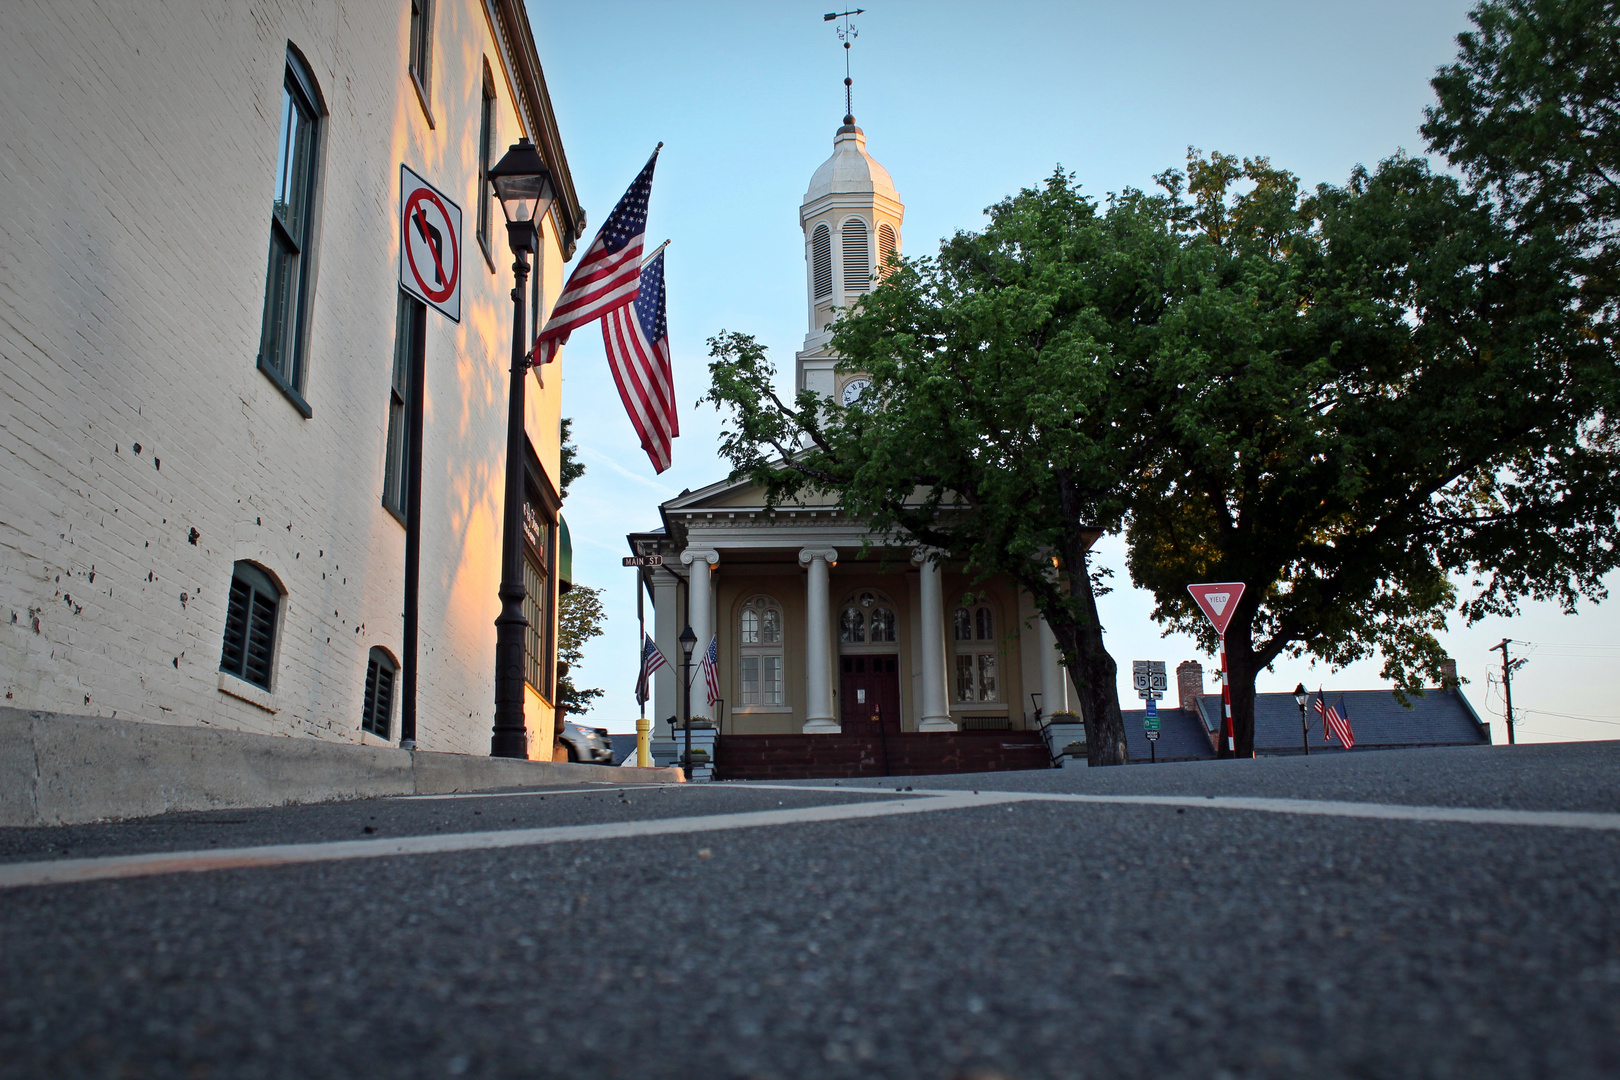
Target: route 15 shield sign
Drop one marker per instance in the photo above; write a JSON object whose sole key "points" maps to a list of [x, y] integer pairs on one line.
{"points": [[429, 244]]}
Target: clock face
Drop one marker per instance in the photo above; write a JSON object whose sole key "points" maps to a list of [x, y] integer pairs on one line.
{"points": [[854, 389]]}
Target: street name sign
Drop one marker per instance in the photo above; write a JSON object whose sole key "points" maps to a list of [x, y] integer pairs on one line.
{"points": [[644, 560], [429, 244], [1218, 601]]}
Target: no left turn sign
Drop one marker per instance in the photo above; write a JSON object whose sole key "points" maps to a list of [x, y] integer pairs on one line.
{"points": [[429, 244]]}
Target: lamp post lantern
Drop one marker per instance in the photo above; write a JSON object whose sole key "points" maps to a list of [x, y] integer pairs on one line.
{"points": [[1301, 696], [523, 186], [688, 640]]}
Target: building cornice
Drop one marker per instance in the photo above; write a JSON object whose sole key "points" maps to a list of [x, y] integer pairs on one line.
{"points": [[510, 21]]}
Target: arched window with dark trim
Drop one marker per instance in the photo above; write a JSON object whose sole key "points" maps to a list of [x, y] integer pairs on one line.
{"points": [[290, 277], [252, 613]]}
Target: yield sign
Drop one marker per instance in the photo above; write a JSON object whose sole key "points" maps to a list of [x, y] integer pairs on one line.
{"points": [[1218, 602], [429, 244]]}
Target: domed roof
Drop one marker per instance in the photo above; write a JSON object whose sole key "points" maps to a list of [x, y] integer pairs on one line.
{"points": [[850, 170]]}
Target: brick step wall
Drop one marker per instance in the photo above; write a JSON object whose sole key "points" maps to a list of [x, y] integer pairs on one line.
{"points": [[806, 757]]}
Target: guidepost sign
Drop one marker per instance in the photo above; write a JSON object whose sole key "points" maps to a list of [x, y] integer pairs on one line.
{"points": [[1150, 681], [429, 244], [1218, 601]]}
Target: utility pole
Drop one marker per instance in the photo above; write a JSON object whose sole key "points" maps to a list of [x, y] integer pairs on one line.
{"points": [[1507, 684]]}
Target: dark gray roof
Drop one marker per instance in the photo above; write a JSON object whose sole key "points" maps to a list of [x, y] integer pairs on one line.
{"points": [[1378, 721], [1179, 737], [623, 747]]}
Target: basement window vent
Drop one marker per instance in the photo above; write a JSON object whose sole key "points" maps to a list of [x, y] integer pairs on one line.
{"points": [[378, 713], [250, 625]]}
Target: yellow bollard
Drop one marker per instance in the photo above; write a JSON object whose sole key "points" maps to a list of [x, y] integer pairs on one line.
{"points": [[644, 742]]}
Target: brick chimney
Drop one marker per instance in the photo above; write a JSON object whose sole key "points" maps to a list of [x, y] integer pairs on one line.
{"points": [[1189, 684], [1448, 674]]}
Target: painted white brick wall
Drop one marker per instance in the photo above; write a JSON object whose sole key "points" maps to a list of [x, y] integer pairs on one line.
{"points": [[137, 152]]}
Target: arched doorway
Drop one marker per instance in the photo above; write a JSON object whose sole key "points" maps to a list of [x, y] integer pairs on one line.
{"points": [[869, 664]]}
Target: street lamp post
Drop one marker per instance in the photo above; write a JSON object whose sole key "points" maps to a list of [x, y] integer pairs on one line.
{"points": [[1301, 696], [523, 185], [688, 640]]}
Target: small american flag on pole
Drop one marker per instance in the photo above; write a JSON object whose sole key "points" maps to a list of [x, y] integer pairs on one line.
{"points": [[1335, 721], [711, 673], [652, 658], [609, 275], [636, 338]]}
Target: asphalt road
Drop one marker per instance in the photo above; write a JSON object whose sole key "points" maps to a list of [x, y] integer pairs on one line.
{"points": [[1017, 933]]}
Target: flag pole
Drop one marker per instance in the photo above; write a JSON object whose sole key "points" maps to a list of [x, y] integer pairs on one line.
{"points": [[643, 729], [655, 252]]}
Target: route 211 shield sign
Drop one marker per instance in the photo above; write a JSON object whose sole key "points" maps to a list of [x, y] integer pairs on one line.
{"points": [[429, 244]]}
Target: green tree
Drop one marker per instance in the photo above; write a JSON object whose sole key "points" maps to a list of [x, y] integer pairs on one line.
{"points": [[991, 427], [1529, 113], [1355, 395], [569, 464], [1340, 399], [579, 619]]}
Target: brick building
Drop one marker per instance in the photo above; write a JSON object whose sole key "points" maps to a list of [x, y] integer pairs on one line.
{"points": [[202, 501]]}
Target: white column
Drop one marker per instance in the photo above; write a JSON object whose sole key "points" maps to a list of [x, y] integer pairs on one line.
{"points": [[936, 712], [1054, 680], [666, 631], [818, 701], [698, 608]]}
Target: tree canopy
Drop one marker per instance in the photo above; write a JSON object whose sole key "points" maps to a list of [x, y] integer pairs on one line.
{"points": [[1344, 398], [579, 619]]}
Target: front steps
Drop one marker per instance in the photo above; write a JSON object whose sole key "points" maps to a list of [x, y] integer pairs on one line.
{"points": [[810, 757]]}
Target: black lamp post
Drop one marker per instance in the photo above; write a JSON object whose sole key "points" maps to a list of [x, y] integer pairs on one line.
{"points": [[523, 185], [688, 640], [1301, 696]]}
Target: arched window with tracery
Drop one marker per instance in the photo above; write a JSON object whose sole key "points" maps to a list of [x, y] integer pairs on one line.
{"points": [[759, 643], [973, 630], [867, 618]]}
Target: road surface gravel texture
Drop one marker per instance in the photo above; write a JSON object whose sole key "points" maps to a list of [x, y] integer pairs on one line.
{"points": [[1011, 934]]}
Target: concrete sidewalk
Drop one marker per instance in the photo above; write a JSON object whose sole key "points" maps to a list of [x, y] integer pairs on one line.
{"points": [[64, 770]]}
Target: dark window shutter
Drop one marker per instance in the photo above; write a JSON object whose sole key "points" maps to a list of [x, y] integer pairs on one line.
{"points": [[261, 644], [236, 620], [385, 702]]}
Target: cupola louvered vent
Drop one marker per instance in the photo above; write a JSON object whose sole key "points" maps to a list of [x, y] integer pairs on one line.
{"points": [[857, 256], [821, 261], [886, 247]]}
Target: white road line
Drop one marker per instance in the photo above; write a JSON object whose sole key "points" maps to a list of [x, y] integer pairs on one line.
{"points": [[64, 871], [531, 792]]}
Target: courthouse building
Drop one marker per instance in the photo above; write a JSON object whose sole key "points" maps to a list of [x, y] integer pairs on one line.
{"points": [[206, 356], [813, 636]]}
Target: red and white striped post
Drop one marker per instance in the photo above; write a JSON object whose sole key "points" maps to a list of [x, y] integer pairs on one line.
{"points": [[1226, 703], [1218, 602]]}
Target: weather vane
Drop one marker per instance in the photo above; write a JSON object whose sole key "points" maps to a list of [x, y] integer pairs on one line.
{"points": [[846, 33]]}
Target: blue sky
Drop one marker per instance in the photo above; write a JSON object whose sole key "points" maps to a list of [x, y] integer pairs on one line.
{"points": [[965, 104]]}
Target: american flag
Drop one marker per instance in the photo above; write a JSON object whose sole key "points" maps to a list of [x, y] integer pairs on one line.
{"points": [[609, 274], [636, 338], [1335, 721], [710, 666], [652, 658]]}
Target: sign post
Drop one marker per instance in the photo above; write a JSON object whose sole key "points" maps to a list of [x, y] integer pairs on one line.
{"points": [[1150, 681], [1218, 601], [430, 269]]}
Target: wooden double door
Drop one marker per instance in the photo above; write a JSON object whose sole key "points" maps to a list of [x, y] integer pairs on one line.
{"points": [[869, 694]]}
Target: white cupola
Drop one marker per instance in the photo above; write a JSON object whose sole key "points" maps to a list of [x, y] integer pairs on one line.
{"points": [[851, 217]]}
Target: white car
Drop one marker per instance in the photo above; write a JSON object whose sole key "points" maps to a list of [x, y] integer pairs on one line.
{"points": [[587, 745]]}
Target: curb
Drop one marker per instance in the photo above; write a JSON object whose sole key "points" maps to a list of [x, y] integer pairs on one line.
{"points": [[58, 769]]}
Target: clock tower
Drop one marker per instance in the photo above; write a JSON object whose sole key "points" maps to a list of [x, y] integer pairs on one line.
{"points": [[851, 217]]}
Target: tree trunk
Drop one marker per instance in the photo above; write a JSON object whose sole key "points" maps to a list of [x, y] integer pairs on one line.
{"points": [[1241, 668], [1095, 674]]}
